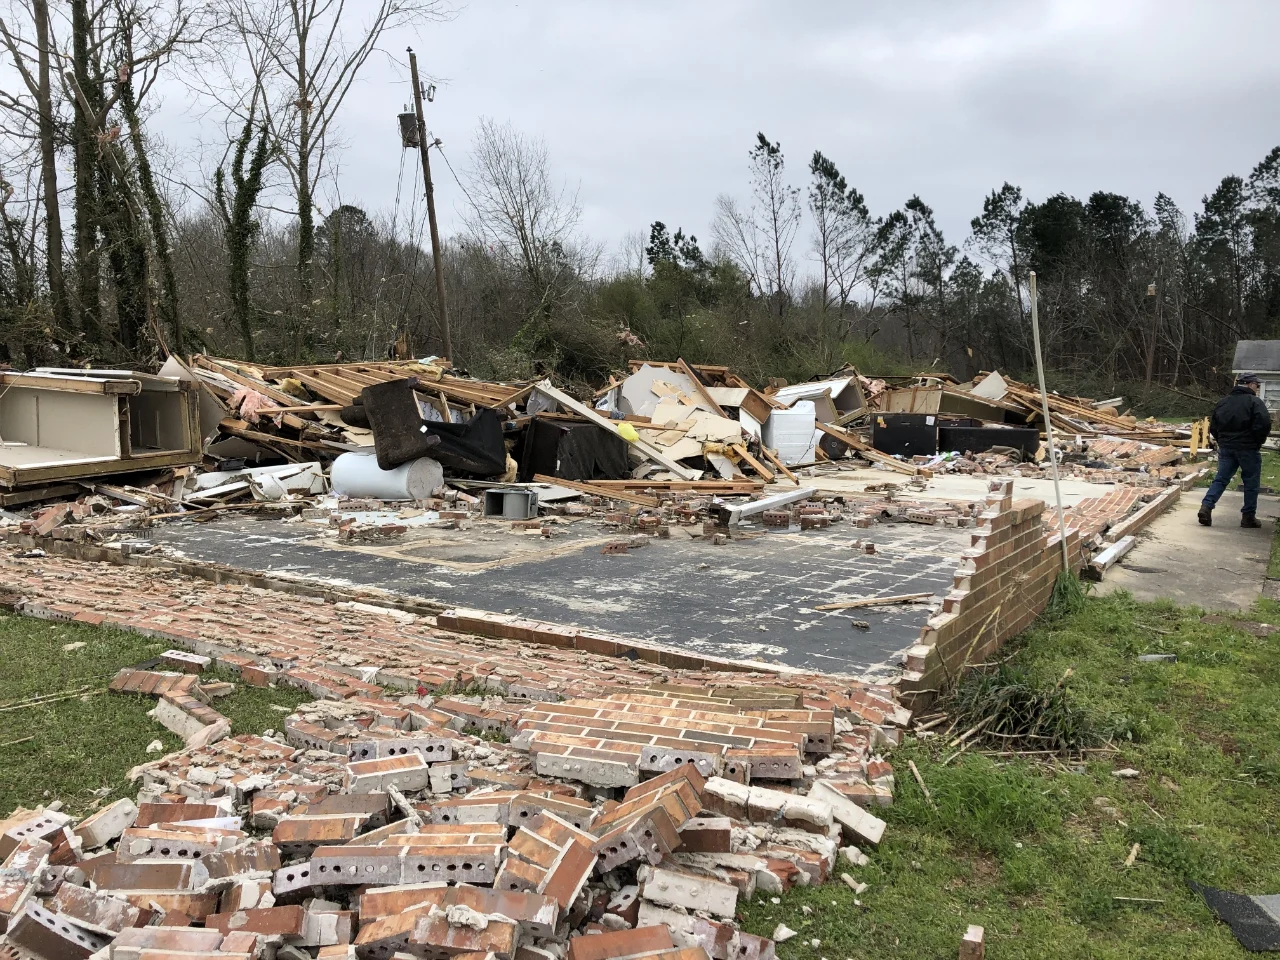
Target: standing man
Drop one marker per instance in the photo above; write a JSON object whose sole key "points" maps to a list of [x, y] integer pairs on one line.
{"points": [[1240, 424]]}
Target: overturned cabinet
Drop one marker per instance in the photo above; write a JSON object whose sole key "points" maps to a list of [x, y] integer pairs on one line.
{"points": [[58, 425]]}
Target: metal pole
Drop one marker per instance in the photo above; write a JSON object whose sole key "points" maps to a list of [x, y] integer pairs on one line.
{"points": [[431, 204], [1048, 424]]}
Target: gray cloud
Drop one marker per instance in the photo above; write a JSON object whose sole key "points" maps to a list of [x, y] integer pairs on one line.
{"points": [[649, 108]]}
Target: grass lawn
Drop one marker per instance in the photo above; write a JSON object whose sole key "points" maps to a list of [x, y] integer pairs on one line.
{"points": [[1036, 852], [88, 743]]}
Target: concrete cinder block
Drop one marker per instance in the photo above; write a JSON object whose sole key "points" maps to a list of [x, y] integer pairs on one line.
{"points": [[39, 826], [407, 773], [595, 771], [355, 866], [673, 888], [107, 824], [130, 943], [859, 825]]}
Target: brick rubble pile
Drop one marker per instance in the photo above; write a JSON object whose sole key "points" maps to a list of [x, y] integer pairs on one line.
{"points": [[630, 823]]}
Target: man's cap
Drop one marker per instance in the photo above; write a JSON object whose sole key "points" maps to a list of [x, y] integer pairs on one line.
{"points": [[1247, 378]]}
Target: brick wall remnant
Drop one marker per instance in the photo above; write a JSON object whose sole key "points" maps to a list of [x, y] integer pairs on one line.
{"points": [[1003, 583]]}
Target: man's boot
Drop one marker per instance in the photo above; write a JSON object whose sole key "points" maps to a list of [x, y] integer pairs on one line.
{"points": [[1205, 516], [1249, 520]]}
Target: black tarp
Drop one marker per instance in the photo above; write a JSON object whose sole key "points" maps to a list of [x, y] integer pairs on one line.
{"points": [[400, 433], [582, 452]]}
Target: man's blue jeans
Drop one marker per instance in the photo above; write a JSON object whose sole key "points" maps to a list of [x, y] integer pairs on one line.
{"points": [[1231, 459]]}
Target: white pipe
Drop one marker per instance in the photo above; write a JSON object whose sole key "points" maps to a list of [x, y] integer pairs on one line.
{"points": [[1048, 424]]}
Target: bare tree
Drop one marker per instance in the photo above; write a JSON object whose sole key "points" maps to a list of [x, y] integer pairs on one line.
{"points": [[17, 250], [24, 53], [519, 211], [738, 240], [995, 236], [118, 50], [759, 242], [304, 56], [843, 237], [631, 260]]}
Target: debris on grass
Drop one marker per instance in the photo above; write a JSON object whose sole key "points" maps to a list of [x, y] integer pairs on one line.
{"points": [[1011, 711]]}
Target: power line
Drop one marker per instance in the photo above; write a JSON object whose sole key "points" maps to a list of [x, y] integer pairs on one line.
{"points": [[461, 187]]}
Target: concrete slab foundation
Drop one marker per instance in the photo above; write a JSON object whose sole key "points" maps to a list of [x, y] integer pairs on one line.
{"points": [[748, 599]]}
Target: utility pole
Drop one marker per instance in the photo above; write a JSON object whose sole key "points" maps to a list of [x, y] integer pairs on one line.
{"points": [[431, 203]]}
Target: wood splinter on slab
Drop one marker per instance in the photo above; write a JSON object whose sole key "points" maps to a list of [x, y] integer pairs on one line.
{"points": [[874, 601]]}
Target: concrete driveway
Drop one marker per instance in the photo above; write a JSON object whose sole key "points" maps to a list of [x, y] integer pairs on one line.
{"points": [[1217, 568]]}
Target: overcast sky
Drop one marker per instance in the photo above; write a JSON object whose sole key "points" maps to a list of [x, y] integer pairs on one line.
{"points": [[649, 107]]}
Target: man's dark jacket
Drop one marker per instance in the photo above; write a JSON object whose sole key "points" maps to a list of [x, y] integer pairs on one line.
{"points": [[1240, 420]]}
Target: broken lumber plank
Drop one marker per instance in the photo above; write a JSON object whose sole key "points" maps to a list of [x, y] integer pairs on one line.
{"points": [[875, 601], [608, 493], [701, 389], [648, 449], [689, 486], [216, 508], [126, 384], [755, 464], [306, 408], [266, 389], [17, 498], [1133, 855], [915, 772], [238, 428], [128, 494], [777, 462], [868, 451], [851, 416]]}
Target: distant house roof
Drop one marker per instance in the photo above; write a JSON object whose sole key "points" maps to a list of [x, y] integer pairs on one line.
{"points": [[1256, 356]]}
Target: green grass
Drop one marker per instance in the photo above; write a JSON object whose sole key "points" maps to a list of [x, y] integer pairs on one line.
{"points": [[1035, 852], [89, 743], [1270, 473]]}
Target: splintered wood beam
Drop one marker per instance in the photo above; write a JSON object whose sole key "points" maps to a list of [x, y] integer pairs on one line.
{"points": [[607, 493], [755, 464], [702, 390], [777, 462], [874, 601], [868, 451]]}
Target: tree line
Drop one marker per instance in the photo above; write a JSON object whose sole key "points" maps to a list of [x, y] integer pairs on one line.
{"points": [[107, 256]]}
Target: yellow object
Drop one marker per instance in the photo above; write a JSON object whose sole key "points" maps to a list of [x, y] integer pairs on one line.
{"points": [[294, 388], [627, 432]]}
